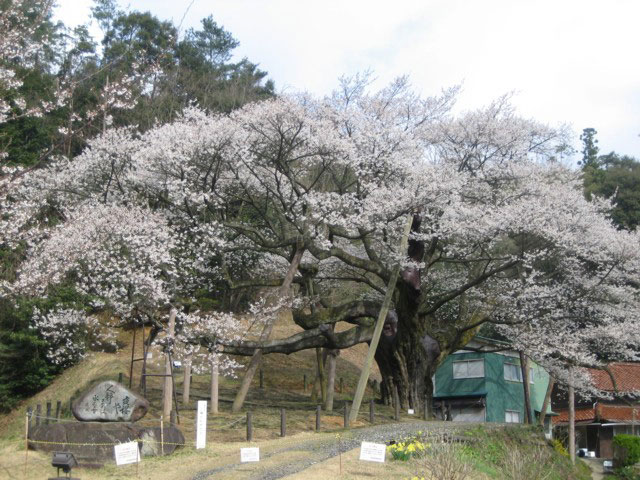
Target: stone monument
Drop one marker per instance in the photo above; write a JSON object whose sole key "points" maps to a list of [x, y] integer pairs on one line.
{"points": [[106, 415]]}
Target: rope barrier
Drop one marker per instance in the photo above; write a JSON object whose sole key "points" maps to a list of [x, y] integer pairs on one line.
{"points": [[76, 444]]}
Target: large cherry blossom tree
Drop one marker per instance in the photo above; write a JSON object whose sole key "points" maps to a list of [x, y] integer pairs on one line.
{"points": [[501, 232]]}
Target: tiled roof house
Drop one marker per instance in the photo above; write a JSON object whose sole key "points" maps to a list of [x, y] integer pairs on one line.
{"points": [[598, 421]]}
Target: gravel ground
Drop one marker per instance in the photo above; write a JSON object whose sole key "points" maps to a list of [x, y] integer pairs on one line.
{"points": [[325, 447]]}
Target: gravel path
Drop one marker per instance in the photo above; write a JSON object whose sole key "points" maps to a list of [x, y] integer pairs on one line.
{"points": [[325, 447]]}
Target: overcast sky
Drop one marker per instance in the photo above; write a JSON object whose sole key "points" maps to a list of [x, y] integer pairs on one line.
{"points": [[568, 61]]}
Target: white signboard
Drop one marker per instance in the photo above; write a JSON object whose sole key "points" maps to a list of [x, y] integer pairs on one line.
{"points": [[249, 454], [201, 424], [127, 453], [411, 412], [373, 452]]}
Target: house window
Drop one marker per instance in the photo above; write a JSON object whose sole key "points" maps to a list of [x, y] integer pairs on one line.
{"points": [[468, 369], [513, 373], [511, 416]]}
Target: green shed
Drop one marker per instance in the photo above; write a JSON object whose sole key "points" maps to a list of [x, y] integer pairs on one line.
{"points": [[480, 384]]}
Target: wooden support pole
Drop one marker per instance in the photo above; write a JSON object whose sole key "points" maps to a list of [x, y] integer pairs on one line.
{"points": [[133, 351], [341, 385], [425, 410], [372, 412], [382, 316], [26, 443], [120, 377], [318, 418], [256, 359], [47, 420], [162, 434], [283, 423], [29, 417], [167, 402], [249, 427], [38, 414], [547, 401], [524, 367], [331, 379], [572, 425], [396, 403], [214, 387], [186, 382], [346, 415], [58, 409]]}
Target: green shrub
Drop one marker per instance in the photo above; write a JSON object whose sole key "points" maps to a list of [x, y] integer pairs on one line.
{"points": [[559, 447], [631, 445]]}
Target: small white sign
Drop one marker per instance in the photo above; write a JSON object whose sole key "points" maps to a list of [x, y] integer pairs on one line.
{"points": [[201, 426], [411, 412], [373, 452], [251, 454], [126, 453], [149, 355]]}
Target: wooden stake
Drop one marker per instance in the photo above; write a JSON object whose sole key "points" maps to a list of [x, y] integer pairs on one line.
{"points": [[283, 423], [382, 316]]}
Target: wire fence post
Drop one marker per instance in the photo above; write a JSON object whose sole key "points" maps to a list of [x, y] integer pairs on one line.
{"points": [[249, 427], [47, 419], [58, 410], [38, 414], [283, 422]]}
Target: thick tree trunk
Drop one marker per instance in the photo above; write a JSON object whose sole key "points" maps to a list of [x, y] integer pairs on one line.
{"points": [[266, 333]]}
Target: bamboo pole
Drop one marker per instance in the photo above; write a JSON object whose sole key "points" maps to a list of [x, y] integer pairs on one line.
{"points": [[382, 316]]}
